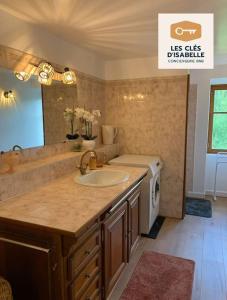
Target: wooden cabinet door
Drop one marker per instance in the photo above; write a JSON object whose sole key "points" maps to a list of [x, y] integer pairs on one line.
{"points": [[115, 247], [29, 270], [133, 222]]}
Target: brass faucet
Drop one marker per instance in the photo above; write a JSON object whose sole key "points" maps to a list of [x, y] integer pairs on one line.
{"points": [[82, 167]]}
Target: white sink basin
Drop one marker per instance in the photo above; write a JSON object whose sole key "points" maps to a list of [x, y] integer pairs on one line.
{"points": [[102, 178]]}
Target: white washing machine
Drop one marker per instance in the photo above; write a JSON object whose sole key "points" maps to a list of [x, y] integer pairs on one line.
{"points": [[150, 194]]}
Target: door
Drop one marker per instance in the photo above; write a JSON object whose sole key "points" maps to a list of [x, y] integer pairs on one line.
{"points": [[115, 246], [133, 222]]}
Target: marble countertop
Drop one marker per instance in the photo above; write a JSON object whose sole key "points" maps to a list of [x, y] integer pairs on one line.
{"points": [[65, 206]]}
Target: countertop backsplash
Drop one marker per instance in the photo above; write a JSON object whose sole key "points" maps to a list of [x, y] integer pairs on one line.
{"points": [[42, 165]]}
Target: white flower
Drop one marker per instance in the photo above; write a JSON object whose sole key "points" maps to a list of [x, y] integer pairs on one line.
{"points": [[68, 110], [79, 112], [68, 114], [82, 114], [91, 118], [88, 116], [96, 113]]}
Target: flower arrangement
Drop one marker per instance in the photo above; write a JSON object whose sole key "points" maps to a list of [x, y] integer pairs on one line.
{"points": [[70, 117], [86, 119]]}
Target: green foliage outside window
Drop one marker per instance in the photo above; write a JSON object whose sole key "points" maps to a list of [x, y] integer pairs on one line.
{"points": [[219, 132]]}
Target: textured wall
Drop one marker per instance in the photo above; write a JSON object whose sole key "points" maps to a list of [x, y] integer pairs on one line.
{"points": [[192, 101], [153, 125]]}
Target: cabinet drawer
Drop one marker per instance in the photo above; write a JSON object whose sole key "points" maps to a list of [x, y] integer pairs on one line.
{"points": [[81, 282], [82, 254], [93, 291]]}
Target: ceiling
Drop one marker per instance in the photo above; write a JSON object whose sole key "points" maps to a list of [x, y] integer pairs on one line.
{"points": [[115, 29]]}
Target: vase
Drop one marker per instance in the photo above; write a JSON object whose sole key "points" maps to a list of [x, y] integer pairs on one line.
{"points": [[109, 134], [88, 144]]}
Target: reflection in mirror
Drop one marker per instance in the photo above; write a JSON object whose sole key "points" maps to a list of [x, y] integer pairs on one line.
{"points": [[21, 121], [35, 117], [56, 98]]}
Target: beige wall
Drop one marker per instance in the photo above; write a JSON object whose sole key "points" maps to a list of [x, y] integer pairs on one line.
{"points": [[144, 67], [154, 126]]}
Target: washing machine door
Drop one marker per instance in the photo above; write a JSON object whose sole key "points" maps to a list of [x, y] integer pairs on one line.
{"points": [[156, 190]]}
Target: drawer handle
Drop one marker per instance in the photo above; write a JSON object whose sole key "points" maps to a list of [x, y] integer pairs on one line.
{"points": [[124, 198], [87, 276], [87, 252]]}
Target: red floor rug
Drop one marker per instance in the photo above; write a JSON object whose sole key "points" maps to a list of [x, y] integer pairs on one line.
{"points": [[160, 277]]}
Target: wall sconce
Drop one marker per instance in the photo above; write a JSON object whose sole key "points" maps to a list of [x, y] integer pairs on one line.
{"points": [[45, 73], [7, 98], [68, 77], [26, 74], [134, 98]]}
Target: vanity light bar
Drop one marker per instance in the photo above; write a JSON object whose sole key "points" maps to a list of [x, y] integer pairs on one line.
{"points": [[46, 73]]}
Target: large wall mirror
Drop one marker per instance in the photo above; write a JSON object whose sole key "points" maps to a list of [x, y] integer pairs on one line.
{"points": [[32, 114]]}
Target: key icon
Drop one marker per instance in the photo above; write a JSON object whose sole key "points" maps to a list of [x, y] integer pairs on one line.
{"points": [[180, 31], [185, 31]]}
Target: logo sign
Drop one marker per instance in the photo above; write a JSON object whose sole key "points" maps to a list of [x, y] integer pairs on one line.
{"points": [[185, 41], [186, 31]]}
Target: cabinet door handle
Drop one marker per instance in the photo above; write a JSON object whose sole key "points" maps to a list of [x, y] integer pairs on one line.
{"points": [[54, 267]]}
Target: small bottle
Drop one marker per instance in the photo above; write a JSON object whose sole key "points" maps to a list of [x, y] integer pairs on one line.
{"points": [[92, 162]]}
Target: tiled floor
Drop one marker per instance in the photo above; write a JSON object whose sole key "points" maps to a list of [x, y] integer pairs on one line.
{"points": [[200, 239]]}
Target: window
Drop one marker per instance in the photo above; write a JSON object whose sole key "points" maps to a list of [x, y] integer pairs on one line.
{"points": [[217, 138]]}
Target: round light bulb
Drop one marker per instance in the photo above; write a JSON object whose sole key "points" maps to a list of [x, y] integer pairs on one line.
{"points": [[69, 77], [23, 76], [45, 73]]}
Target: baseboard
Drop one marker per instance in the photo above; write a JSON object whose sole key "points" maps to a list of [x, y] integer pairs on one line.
{"points": [[208, 193], [195, 195], [218, 193]]}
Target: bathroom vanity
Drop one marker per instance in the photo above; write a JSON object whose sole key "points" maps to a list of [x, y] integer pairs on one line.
{"points": [[68, 241]]}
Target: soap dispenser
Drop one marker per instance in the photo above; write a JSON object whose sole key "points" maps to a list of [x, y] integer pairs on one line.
{"points": [[92, 162]]}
